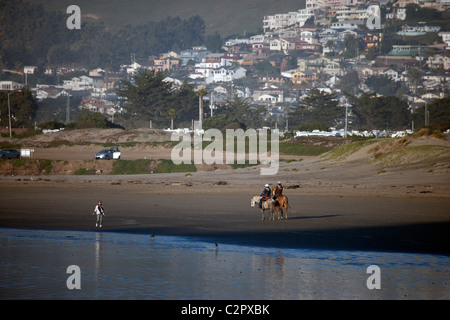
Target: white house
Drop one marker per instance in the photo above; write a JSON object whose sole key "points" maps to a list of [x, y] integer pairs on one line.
{"points": [[393, 74], [9, 85], [417, 29], [344, 33], [285, 44], [397, 14], [328, 34], [135, 66], [220, 90], [282, 20], [268, 98], [435, 61], [79, 83], [348, 24], [445, 35], [29, 69], [309, 36], [226, 74], [45, 92], [205, 68]]}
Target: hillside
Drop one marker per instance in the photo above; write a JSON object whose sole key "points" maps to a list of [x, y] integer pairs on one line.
{"points": [[226, 17]]}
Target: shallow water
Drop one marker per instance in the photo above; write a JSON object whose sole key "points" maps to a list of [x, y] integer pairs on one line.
{"points": [[33, 265]]}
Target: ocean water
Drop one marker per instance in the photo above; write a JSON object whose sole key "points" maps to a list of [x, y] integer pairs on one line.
{"points": [[34, 265]]}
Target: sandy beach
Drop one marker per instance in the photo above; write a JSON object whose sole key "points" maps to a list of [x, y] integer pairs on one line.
{"points": [[348, 204]]}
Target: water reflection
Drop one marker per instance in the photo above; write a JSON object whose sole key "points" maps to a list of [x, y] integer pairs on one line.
{"points": [[119, 266]]}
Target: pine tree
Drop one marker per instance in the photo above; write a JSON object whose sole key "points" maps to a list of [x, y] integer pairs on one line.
{"points": [[148, 96]]}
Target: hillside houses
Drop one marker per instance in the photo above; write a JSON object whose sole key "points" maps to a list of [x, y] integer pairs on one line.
{"points": [[101, 106], [297, 51], [216, 69], [417, 29]]}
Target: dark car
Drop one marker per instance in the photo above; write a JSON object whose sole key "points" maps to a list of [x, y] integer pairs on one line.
{"points": [[9, 154]]}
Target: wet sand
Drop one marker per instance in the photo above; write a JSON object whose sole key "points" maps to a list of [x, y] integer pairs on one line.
{"points": [[342, 218]]}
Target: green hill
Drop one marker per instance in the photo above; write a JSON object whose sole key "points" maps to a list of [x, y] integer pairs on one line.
{"points": [[228, 17]]}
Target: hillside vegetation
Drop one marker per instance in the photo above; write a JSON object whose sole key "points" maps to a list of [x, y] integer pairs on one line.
{"points": [[226, 17]]}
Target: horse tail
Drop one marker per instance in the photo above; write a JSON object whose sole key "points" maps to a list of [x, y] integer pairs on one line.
{"points": [[287, 203]]}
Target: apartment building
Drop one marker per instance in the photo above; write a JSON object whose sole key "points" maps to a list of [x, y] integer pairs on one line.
{"points": [[282, 20]]}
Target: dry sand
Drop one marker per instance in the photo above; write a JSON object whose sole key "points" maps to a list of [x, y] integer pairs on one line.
{"points": [[356, 203]]}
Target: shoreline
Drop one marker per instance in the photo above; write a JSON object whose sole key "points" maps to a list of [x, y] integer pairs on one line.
{"points": [[201, 209], [393, 196]]}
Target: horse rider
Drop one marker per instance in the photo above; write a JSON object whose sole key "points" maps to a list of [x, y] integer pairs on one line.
{"points": [[266, 194], [277, 191]]}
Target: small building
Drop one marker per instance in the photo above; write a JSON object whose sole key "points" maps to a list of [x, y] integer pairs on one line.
{"points": [[406, 50], [29, 69], [10, 85]]}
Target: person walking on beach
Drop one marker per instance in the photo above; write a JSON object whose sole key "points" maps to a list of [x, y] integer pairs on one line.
{"points": [[100, 212]]}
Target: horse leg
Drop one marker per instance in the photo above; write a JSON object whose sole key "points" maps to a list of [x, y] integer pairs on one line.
{"points": [[262, 214], [280, 207], [285, 213]]}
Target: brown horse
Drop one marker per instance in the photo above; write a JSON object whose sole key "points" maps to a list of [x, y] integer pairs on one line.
{"points": [[283, 203]]}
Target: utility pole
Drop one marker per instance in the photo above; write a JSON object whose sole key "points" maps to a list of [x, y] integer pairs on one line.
{"points": [[346, 119], [68, 109], [212, 103]]}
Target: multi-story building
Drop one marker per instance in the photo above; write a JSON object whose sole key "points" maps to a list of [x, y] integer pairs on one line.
{"points": [[282, 20], [226, 74], [166, 64]]}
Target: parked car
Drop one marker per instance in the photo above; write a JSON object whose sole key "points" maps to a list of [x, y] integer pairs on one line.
{"points": [[9, 154], [107, 154]]}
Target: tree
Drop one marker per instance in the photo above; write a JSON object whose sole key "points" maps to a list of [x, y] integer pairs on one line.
{"points": [[351, 44], [438, 114], [91, 120], [265, 67], [318, 106], [380, 112], [23, 108], [26, 26], [349, 82], [414, 77], [240, 110], [237, 112], [171, 113], [383, 85], [415, 12], [147, 95], [186, 103], [214, 42]]}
